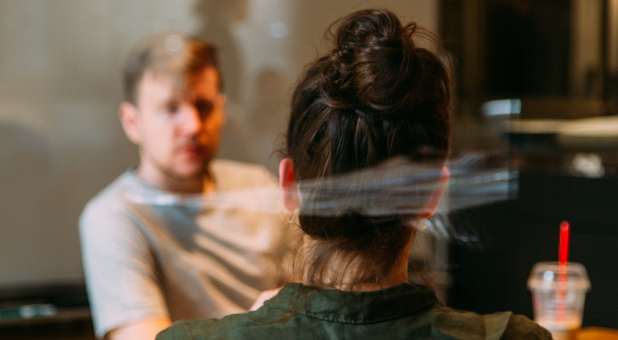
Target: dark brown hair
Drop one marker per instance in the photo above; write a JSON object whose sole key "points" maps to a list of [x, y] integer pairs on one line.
{"points": [[376, 95], [174, 53]]}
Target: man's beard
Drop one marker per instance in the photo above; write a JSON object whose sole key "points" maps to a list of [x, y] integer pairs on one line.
{"points": [[199, 175]]}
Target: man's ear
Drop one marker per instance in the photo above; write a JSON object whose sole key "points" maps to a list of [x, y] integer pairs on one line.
{"points": [[129, 119], [434, 200], [287, 182]]}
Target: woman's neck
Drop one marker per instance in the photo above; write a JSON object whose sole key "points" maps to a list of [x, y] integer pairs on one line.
{"points": [[339, 273]]}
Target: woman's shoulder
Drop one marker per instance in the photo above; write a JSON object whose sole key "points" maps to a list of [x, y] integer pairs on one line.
{"points": [[520, 327], [229, 327], [446, 323], [468, 325], [189, 329], [250, 325]]}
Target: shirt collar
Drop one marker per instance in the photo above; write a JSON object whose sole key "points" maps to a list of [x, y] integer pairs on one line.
{"points": [[354, 307]]}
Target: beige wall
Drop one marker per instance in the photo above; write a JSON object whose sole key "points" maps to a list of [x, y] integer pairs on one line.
{"points": [[60, 141]]}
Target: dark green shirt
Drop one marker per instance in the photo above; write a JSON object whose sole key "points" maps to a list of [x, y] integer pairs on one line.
{"points": [[402, 312]]}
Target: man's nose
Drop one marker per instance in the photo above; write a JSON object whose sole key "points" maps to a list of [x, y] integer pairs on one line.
{"points": [[191, 119]]}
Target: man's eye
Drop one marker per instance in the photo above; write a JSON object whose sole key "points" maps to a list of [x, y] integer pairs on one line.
{"points": [[172, 107], [204, 107]]}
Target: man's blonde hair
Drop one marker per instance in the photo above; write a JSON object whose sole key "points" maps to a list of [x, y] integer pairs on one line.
{"points": [[173, 54]]}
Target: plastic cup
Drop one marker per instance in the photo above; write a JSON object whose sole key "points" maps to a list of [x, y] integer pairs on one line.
{"points": [[558, 295]]}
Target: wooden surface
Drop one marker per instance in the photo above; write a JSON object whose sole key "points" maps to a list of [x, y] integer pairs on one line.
{"points": [[597, 333]]}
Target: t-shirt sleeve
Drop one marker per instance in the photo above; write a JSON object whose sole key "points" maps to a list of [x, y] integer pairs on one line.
{"points": [[119, 267]]}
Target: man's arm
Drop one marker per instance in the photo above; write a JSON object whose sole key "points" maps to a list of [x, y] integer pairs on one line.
{"points": [[121, 275], [264, 296], [145, 329]]}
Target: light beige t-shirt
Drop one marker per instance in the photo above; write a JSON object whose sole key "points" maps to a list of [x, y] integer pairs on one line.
{"points": [[146, 254]]}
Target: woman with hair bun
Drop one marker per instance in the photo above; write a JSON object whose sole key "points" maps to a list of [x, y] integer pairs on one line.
{"points": [[376, 96]]}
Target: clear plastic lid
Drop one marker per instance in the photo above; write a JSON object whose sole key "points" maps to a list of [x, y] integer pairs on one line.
{"points": [[552, 275]]}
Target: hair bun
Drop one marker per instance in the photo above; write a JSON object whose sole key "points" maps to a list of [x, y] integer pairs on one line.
{"points": [[372, 55], [369, 29]]}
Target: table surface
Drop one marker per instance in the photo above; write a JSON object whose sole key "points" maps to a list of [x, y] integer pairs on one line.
{"points": [[597, 333]]}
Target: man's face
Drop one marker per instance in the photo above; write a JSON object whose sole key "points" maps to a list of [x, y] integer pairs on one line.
{"points": [[178, 127]]}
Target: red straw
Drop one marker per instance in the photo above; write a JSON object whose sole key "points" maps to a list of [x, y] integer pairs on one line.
{"points": [[563, 259], [563, 252]]}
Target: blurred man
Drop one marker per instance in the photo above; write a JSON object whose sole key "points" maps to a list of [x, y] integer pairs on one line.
{"points": [[149, 257]]}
